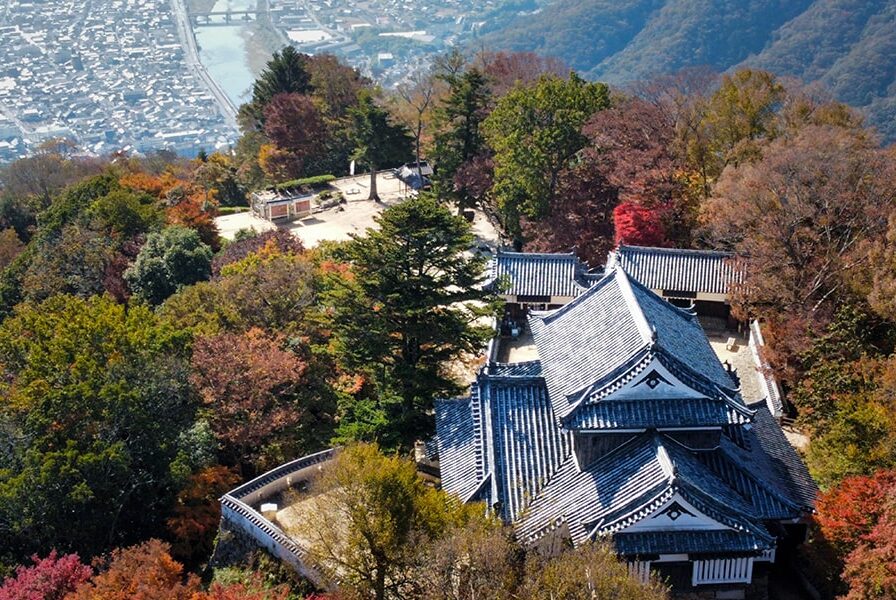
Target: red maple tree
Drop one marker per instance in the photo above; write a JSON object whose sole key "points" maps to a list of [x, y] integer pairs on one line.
{"points": [[638, 225], [49, 578], [849, 512]]}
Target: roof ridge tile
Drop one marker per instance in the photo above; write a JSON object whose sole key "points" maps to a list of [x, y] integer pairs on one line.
{"points": [[648, 332]]}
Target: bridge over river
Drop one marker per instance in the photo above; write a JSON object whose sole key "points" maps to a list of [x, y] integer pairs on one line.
{"points": [[231, 16]]}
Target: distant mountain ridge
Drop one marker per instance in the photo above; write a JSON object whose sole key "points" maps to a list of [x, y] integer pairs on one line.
{"points": [[848, 45]]}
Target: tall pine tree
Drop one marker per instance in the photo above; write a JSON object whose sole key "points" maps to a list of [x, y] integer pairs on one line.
{"points": [[412, 305], [459, 140], [378, 141]]}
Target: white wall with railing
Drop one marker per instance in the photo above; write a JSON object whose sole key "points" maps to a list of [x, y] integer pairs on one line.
{"points": [[768, 385], [722, 570], [237, 509]]}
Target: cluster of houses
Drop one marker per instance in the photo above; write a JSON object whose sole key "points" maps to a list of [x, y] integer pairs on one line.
{"points": [[620, 423], [114, 77]]}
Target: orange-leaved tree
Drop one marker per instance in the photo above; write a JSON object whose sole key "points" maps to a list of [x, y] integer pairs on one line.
{"points": [[142, 572], [197, 512], [187, 202], [251, 383]]}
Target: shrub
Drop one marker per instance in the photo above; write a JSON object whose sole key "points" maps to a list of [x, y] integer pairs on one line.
{"points": [[232, 210], [316, 180]]}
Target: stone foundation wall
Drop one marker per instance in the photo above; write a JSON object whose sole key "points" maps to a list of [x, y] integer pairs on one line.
{"points": [[233, 548]]}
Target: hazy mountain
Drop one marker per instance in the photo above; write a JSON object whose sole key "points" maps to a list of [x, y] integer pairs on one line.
{"points": [[848, 45]]}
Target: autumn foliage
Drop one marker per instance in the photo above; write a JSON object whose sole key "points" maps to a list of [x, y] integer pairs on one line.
{"points": [[254, 589], [142, 572], [297, 131], [638, 225], [119, 422], [849, 512], [505, 70], [859, 518], [187, 203], [146, 572], [198, 511], [49, 578], [250, 384], [237, 250], [871, 568], [10, 246], [581, 218]]}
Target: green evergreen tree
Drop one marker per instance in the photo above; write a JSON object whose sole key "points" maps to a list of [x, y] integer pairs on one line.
{"points": [[378, 142], [170, 259], [285, 73], [536, 133], [94, 398], [459, 138], [412, 305]]}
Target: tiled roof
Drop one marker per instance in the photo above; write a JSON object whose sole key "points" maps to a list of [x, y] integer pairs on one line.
{"points": [[533, 274], [631, 482], [526, 445], [506, 432], [587, 339], [655, 412], [681, 336], [680, 270], [699, 478], [771, 459], [531, 368], [680, 542], [456, 445], [608, 327], [631, 474], [767, 503], [510, 443]]}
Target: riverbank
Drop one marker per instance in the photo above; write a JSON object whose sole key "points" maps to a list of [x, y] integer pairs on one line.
{"points": [[235, 54], [264, 39], [188, 37]]}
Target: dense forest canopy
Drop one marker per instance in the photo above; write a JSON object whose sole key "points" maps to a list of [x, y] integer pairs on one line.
{"points": [[147, 364], [845, 45]]}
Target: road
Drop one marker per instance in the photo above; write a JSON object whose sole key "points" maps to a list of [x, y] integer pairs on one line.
{"points": [[188, 41], [317, 22]]}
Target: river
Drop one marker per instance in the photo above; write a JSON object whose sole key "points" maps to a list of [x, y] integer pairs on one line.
{"points": [[223, 52]]}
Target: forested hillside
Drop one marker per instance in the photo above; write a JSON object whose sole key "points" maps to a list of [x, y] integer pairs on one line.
{"points": [[849, 46], [147, 364]]}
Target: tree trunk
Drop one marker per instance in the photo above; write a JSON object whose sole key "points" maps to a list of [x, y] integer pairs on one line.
{"points": [[373, 193], [417, 153], [379, 589]]}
